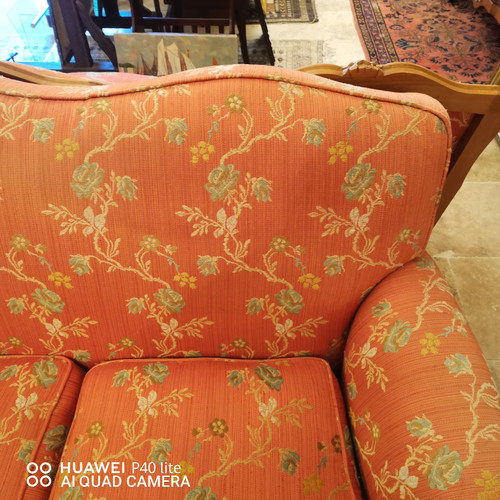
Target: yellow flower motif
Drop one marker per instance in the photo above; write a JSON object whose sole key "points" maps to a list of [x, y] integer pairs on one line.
{"points": [[150, 243], [279, 244], [60, 279], [203, 151], [430, 343], [184, 279], [341, 150], [19, 243], [235, 103], [95, 429], [197, 432], [127, 342], [375, 431], [15, 341], [491, 486], [186, 468], [312, 484], [66, 148], [239, 343], [371, 106], [309, 280], [404, 235], [102, 105], [218, 427]]}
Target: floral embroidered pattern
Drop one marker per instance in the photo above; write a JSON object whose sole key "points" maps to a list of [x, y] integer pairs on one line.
{"points": [[167, 302], [149, 405], [89, 182], [260, 382], [30, 382], [43, 302], [200, 218], [363, 184], [286, 302], [224, 184], [430, 457], [394, 333]]}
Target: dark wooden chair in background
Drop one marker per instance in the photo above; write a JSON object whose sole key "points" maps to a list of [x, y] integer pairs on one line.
{"points": [[71, 19], [180, 16], [195, 16]]}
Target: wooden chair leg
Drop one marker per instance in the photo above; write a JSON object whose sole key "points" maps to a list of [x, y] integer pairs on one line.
{"points": [[70, 34], [265, 32], [241, 22], [104, 43]]}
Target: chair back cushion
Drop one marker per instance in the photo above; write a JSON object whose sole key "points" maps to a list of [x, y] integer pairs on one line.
{"points": [[231, 211]]}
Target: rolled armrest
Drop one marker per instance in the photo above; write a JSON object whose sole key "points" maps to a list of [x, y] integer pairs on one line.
{"points": [[423, 407]]}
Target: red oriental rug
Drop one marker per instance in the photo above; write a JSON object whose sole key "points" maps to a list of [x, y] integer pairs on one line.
{"points": [[449, 37]]}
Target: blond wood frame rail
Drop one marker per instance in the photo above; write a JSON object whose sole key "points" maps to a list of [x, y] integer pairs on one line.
{"points": [[42, 76], [483, 101]]}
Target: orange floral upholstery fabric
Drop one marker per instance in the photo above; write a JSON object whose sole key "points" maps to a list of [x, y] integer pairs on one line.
{"points": [[255, 219], [234, 212], [270, 429], [423, 407], [38, 398]]}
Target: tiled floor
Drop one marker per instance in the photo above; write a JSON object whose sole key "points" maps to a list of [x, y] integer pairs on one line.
{"points": [[466, 245]]}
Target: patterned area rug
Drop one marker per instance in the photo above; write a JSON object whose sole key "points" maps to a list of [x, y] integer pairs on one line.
{"points": [[449, 37], [286, 11]]}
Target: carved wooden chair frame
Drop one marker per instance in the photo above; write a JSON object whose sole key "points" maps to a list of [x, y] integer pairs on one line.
{"points": [[482, 101]]}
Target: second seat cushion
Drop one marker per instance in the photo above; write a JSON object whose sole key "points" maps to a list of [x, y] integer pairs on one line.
{"points": [[38, 396], [208, 428]]}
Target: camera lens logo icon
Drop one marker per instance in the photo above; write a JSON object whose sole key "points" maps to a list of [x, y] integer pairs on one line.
{"points": [[34, 469]]}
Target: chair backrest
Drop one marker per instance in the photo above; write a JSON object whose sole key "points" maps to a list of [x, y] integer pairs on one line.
{"points": [[239, 211], [474, 109], [180, 15]]}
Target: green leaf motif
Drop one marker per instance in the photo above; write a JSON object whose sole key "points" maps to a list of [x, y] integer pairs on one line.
{"points": [[289, 461]]}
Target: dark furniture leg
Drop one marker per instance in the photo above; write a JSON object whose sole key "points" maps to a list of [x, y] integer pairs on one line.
{"points": [[265, 32], [241, 8]]}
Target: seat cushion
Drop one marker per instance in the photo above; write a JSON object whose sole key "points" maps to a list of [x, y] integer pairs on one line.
{"points": [[38, 396], [208, 428]]}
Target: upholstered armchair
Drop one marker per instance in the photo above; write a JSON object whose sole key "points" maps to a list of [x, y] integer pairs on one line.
{"points": [[215, 285]]}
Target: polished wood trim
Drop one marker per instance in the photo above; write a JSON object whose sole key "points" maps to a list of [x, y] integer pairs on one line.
{"points": [[41, 76], [481, 100], [491, 6], [408, 77]]}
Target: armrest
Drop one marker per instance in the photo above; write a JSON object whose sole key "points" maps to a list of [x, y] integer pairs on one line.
{"points": [[423, 407]]}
